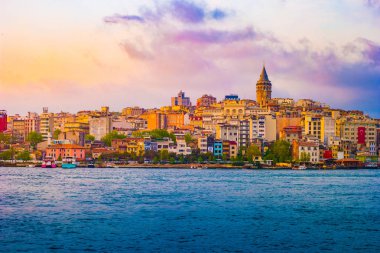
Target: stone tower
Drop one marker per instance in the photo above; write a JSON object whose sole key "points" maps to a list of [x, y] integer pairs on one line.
{"points": [[263, 89]]}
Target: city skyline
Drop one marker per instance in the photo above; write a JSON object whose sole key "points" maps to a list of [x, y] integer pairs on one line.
{"points": [[81, 56]]}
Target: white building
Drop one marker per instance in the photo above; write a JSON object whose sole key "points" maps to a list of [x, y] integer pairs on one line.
{"points": [[46, 124], [310, 149], [181, 148], [202, 144], [100, 126]]}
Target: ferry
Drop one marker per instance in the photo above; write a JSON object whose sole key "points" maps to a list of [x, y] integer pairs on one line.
{"points": [[69, 163], [48, 162]]}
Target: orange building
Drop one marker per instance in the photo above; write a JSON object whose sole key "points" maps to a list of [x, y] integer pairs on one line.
{"points": [[66, 150], [175, 119], [155, 120]]}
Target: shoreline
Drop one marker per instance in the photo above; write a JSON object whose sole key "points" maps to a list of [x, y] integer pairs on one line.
{"points": [[187, 166]]}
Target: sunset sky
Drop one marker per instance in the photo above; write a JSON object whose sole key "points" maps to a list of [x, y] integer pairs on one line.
{"points": [[74, 54]]}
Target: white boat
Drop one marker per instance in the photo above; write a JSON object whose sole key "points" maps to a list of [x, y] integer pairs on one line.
{"points": [[299, 167]]}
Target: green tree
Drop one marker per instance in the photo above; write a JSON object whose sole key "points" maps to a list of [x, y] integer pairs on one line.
{"points": [[155, 160], [4, 138], [6, 155], [107, 139], [89, 137], [181, 159], [34, 138], [305, 157], [252, 151], [172, 160], [56, 134], [24, 155], [188, 138], [279, 151], [164, 155], [154, 134]]}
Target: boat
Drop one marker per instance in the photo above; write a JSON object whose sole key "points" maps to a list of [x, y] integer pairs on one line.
{"points": [[371, 165], [48, 162], [299, 167], [69, 163], [110, 165], [90, 163]]}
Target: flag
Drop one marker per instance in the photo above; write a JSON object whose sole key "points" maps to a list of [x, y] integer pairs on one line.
{"points": [[361, 135]]}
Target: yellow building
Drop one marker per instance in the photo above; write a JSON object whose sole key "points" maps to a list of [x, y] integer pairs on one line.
{"points": [[129, 145], [313, 126], [196, 122], [234, 108], [76, 127]]}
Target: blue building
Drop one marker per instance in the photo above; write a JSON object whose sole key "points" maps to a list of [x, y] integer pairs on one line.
{"points": [[232, 97], [218, 148]]}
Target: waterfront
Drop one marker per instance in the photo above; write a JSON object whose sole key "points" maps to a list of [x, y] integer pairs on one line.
{"points": [[189, 210]]}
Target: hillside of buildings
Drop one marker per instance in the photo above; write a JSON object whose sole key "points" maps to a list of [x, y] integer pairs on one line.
{"points": [[263, 131]]}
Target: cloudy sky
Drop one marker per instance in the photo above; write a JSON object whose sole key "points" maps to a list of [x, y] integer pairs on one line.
{"points": [[76, 54]]}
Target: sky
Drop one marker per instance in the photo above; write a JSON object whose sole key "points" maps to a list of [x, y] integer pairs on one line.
{"points": [[82, 54]]}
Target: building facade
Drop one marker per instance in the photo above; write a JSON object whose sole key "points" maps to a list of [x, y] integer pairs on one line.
{"points": [[181, 100]]}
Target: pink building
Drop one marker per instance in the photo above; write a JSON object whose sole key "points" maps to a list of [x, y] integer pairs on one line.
{"points": [[66, 150]]}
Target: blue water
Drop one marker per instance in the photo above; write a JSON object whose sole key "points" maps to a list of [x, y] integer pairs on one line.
{"points": [[168, 210]]}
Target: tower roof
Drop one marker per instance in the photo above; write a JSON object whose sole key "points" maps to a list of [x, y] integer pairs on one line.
{"points": [[264, 75]]}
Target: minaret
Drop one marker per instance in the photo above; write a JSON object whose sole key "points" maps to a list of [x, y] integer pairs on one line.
{"points": [[263, 89]]}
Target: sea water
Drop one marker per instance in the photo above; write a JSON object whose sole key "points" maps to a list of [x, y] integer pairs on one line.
{"points": [[184, 210]]}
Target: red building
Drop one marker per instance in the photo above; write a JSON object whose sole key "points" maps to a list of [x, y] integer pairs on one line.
{"points": [[206, 101], [3, 121], [66, 150]]}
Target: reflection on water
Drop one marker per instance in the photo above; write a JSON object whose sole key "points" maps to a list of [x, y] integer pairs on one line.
{"points": [[188, 210]]}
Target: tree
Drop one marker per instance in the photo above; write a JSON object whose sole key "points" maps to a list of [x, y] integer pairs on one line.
{"points": [[6, 155], [34, 138], [24, 155], [305, 157], [89, 137], [252, 151], [154, 134], [107, 139], [188, 138], [279, 151], [56, 134], [164, 155], [155, 160], [4, 138]]}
